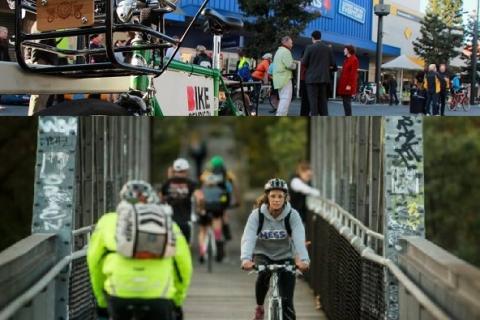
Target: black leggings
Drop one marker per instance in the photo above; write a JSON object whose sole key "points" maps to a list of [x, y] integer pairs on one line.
{"points": [[286, 285], [142, 309]]}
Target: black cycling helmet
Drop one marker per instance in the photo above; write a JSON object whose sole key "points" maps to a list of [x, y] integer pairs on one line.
{"points": [[276, 184]]}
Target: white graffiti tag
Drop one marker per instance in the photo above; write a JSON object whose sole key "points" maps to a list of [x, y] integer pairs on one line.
{"points": [[56, 199], [59, 125]]}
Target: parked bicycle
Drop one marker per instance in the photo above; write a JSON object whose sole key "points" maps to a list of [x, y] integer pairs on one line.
{"points": [[268, 95], [275, 308], [459, 100], [366, 95], [149, 69]]}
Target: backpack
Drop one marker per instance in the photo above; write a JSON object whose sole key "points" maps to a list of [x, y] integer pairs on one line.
{"points": [[145, 231], [216, 198], [286, 221], [244, 72]]}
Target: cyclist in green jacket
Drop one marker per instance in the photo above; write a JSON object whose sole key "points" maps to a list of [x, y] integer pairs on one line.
{"points": [[155, 288]]}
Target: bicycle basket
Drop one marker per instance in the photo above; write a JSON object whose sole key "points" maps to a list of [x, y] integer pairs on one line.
{"points": [[78, 20]]}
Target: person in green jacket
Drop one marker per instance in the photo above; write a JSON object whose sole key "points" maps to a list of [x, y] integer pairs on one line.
{"points": [[155, 288], [282, 75]]}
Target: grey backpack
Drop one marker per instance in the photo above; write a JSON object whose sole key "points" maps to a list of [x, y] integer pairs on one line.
{"points": [[145, 231]]}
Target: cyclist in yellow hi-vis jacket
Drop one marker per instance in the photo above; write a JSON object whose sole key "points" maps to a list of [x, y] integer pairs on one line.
{"points": [[139, 286]]}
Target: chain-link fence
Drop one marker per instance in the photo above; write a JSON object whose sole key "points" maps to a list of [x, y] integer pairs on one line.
{"points": [[349, 286]]}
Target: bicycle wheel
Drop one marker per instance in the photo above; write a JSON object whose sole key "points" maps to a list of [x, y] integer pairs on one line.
{"points": [[239, 103], [466, 104], [452, 104], [210, 240], [363, 99], [275, 311]]}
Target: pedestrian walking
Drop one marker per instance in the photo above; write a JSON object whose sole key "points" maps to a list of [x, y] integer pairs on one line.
{"points": [[432, 86], [319, 62], [4, 55], [202, 59], [347, 87], [393, 85], [444, 87], [305, 106], [282, 75], [96, 42]]}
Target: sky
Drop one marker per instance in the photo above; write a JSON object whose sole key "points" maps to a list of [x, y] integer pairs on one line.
{"points": [[468, 5]]}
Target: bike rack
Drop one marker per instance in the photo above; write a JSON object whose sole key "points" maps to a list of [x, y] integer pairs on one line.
{"points": [[106, 23]]}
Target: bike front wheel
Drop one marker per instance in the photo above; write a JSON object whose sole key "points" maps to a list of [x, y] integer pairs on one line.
{"points": [[275, 312]]}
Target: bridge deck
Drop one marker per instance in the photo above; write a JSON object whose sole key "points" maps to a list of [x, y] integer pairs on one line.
{"points": [[228, 294]]}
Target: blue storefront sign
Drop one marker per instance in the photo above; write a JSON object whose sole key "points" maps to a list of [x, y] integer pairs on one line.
{"points": [[352, 11], [324, 7]]}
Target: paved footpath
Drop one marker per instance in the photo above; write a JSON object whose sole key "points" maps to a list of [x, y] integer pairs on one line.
{"points": [[228, 293], [336, 109]]}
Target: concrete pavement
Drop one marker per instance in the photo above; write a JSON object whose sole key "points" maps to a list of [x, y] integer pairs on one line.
{"points": [[335, 109]]}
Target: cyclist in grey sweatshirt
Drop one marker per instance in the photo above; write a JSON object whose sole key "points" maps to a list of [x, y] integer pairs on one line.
{"points": [[274, 234]]}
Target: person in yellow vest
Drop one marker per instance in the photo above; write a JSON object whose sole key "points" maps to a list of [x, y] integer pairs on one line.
{"points": [[433, 87], [142, 287]]}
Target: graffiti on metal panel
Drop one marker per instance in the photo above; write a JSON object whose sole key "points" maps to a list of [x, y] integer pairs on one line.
{"points": [[405, 181], [406, 135], [67, 125], [52, 174], [60, 141]]}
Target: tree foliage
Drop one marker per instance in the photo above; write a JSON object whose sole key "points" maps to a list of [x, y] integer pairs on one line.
{"points": [[273, 146], [441, 32], [452, 181], [271, 20], [469, 30], [17, 151]]}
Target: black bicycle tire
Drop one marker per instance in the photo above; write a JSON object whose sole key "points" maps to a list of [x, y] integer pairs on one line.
{"points": [[276, 311], [210, 252], [237, 97], [85, 107], [466, 104]]}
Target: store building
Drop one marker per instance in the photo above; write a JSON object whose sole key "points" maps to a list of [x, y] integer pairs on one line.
{"points": [[342, 22]]}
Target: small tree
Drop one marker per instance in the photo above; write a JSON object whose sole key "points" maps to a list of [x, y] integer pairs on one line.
{"points": [[441, 32], [271, 20], [468, 42]]}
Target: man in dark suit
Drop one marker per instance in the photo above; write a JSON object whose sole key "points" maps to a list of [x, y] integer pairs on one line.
{"points": [[318, 61]]}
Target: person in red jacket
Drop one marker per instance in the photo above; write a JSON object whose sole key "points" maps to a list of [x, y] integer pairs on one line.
{"points": [[347, 87]]}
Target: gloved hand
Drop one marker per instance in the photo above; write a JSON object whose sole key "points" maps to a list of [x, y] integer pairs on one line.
{"points": [[178, 313], [102, 313]]}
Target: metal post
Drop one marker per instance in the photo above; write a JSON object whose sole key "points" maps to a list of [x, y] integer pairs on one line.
{"points": [[217, 47], [378, 63], [473, 84], [403, 194], [381, 10], [54, 196]]}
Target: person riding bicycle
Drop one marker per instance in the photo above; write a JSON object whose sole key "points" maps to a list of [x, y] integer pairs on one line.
{"points": [[456, 84], [141, 285], [274, 234], [219, 192], [181, 194]]}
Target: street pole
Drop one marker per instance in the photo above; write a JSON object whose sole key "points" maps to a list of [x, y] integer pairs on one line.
{"points": [[381, 10], [473, 84]]}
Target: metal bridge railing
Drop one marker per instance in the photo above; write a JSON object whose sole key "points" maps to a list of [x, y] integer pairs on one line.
{"points": [[31, 303], [349, 275]]}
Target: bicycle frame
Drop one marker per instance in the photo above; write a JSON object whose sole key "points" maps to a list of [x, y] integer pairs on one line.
{"points": [[150, 62], [211, 248], [275, 300], [274, 297]]}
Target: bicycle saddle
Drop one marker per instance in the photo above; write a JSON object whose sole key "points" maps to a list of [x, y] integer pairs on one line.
{"points": [[219, 24]]}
